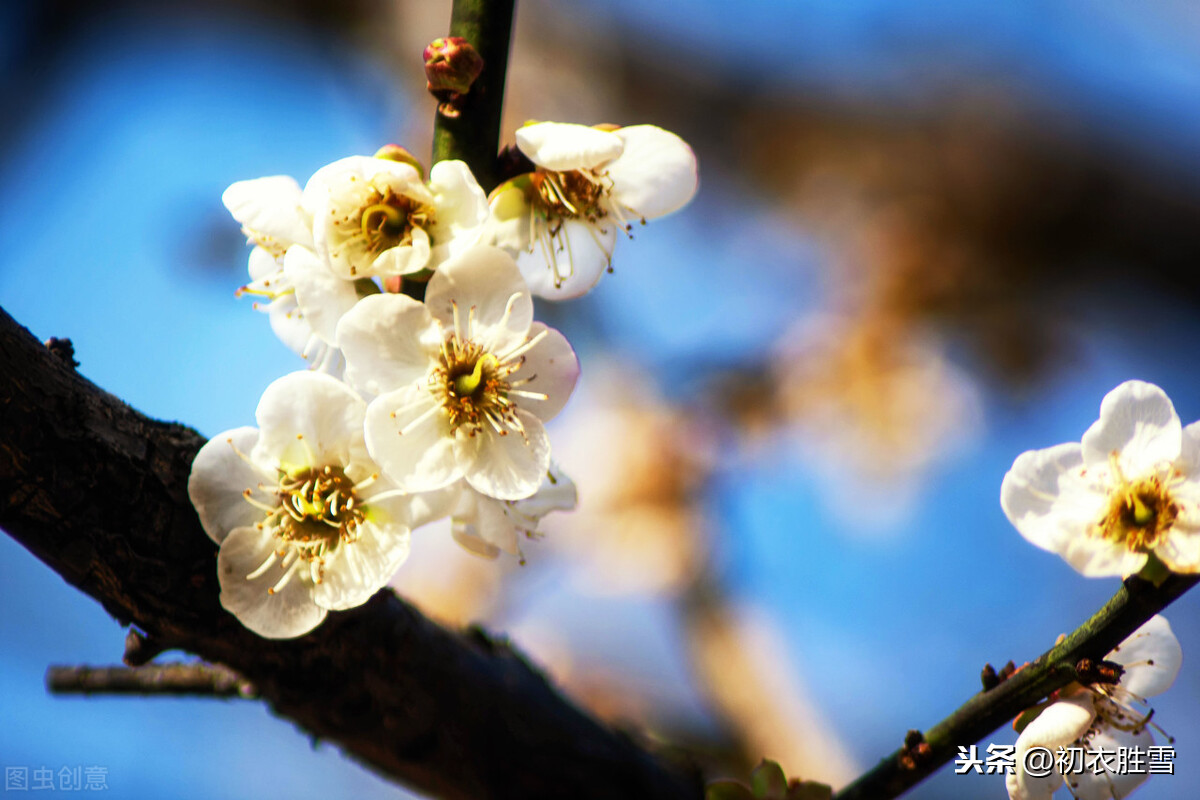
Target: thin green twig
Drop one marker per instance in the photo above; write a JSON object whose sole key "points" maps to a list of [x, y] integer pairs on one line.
{"points": [[474, 135], [1129, 608]]}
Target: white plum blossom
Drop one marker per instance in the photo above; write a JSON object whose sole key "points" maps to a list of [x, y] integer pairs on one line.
{"points": [[561, 220], [463, 382], [486, 526], [376, 217], [1100, 717], [274, 221], [1131, 488], [304, 521]]}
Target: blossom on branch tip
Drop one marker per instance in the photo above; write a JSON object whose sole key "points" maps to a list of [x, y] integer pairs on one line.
{"points": [[561, 220], [305, 522], [376, 217], [463, 381], [1100, 718], [1129, 490]]}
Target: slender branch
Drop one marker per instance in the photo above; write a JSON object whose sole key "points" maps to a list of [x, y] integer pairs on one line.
{"points": [[98, 492], [1129, 608], [474, 135], [196, 680]]}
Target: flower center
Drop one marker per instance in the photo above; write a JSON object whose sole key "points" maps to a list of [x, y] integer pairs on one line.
{"points": [[388, 219], [1140, 513], [318, 510], [472, 386], [574, 194]]}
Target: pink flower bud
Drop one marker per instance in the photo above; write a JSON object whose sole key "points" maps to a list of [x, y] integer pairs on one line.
{"points": [[451, 65]]}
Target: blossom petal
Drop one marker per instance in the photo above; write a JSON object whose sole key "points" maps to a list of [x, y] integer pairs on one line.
{"points": [[484, 284], [321, 296], [569, 264], [404, 259], [505, 467], [1138, 422], [551, 369], [309, 419], [557, 493], [1118, 783], [462, 209], [1151, 656], [480, 525], [285, 614], [389, 341], [1060, 723], [409, 436], [1022, 786], [561, 146], [656, 173], [376, 555], [1045, 498], [218, 478], [271, 207]]}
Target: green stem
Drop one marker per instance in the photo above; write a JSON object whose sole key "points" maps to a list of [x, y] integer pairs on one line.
{"points": [[1129, 608], [474, 135]]}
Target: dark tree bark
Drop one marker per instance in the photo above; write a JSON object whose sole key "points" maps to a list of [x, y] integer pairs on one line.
{"points": [[98, 492]]}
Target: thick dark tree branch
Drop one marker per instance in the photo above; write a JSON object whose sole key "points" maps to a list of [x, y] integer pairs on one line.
{"points": [[98, 492]]}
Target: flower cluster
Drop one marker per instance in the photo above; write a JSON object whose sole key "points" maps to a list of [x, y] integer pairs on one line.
{"points": [[414, 410], [1124, 500]]}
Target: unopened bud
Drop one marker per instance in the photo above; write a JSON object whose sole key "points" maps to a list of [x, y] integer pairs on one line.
{"points": [[451, 65], [394, 152]]}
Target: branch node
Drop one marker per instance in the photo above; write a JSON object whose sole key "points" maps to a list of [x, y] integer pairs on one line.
{"points": [[63, 350]]}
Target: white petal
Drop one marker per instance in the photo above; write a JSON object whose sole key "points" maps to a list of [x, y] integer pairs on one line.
{"points": [[290, 326], [1138, 422], [262, 264], [510, 221], [551, 368], [335, 177], [655, 175], [485, 529], [560, 146], [271, 207], [505, 467], [1025, 787], [377, 554], [1047, 499], [1060, 723], [403, 259], [1151, 657], [571, 263], [425, 507], [492, 299], [557, 493], [467, 536], [421, 459], [1106, 785], [389, 341], [1094, 557], [219, 476], [288, 613], [309, 419], [322, 297], [462, 209], [1180, 552]]}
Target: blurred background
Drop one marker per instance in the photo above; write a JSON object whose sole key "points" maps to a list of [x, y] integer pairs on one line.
{"points": [[929, 236]]}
